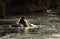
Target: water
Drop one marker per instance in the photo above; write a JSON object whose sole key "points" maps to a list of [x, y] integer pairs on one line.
{"points": [[48, 27]]}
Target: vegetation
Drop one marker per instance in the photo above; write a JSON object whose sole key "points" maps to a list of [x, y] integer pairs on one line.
{"points": [[26, 6], [3, 6]]}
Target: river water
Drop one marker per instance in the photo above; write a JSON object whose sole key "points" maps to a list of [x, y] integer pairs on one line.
{"points": [[48, 28]]}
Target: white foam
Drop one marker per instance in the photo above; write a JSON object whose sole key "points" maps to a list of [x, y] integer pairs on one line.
{"points": [[56, 35]]}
